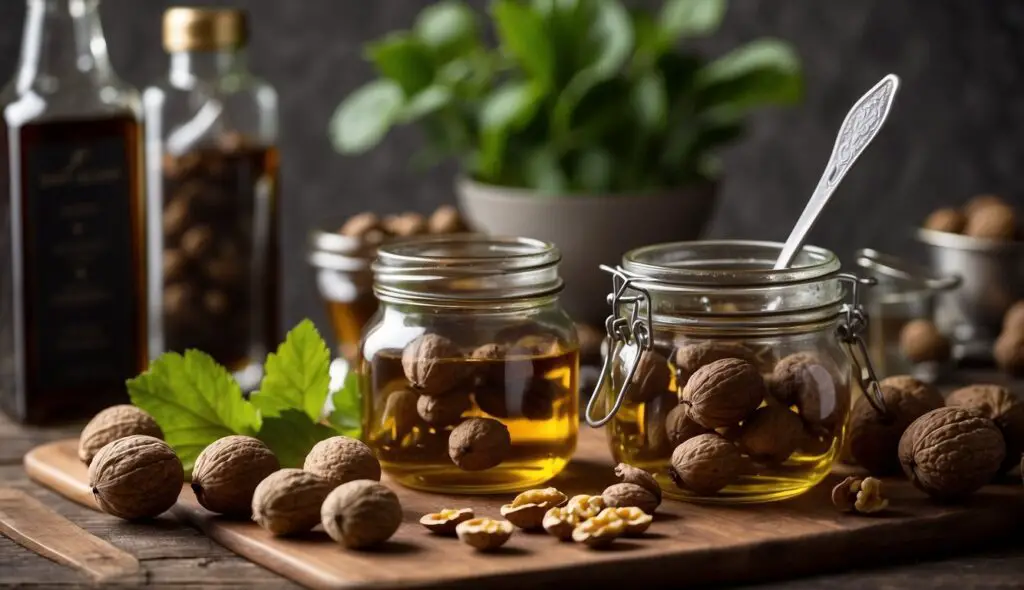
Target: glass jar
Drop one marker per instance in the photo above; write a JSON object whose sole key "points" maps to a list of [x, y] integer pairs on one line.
{"points": [[345, 282], [752, 360], [212, 178], [469, 368]]}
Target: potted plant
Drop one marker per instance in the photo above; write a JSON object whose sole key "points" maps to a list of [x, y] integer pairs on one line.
{"points": [[587, 123]]}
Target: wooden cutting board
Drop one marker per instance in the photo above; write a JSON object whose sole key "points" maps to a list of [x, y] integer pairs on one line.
{"points": [[687, 544]]}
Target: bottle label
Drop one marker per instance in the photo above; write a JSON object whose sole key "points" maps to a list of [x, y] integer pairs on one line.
{"points": [[82, 305]]}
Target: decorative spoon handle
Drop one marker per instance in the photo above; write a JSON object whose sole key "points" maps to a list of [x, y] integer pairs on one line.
{"points": [[860, 126]]}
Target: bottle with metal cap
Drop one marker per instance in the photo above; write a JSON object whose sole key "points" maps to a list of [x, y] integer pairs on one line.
{"points": [[212, 177]]}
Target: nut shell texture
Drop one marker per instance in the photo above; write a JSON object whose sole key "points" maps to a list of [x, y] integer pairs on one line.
{"points": [[874, 439], [950, 452], [227, 472], [113, 423], [361, 514], [804, 379], [1002, 407], [429, 363], [690, 357], [705, 464], [635, 475], [443, 411], [723, 393], [136, 477], [921, 341], [478, 444], [771, 434], [650, 379], [288, 501], [341, 459], [624, 495], [680, 427]]}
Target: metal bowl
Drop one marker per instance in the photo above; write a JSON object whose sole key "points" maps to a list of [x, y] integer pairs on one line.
{"points": [[992, 278]]}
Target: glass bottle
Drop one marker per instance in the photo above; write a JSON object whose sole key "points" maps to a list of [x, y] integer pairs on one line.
{"points": [[72, 234], [212, 178]]}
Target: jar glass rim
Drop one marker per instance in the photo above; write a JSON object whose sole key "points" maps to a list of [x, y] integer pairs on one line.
{"points": [[709, 263]]}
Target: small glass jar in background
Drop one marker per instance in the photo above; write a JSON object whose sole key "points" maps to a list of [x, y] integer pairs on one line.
{"points": [[212, 175], [708, 341], [345, 282], [469, 368]]}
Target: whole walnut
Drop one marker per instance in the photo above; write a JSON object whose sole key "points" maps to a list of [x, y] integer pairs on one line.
{"points": [[1009, 352], [432, 364], [443, 411], [111, 424], [651, 378], [874, 439], [227, 472], [921, 342], [400, 409], [479, 443], [723, 393], [946, 220], [705, 464], [341, 459], [993, 222], [690, 357], [771, 434], [1002, 407], [625, 495], [655, 424], [1013, 319], [136, 477], [365, 227], [287, 502], [951, 452], [361, 514], [979, 202], [805, 380], [405, 224], [680, 427], [445, 220]]}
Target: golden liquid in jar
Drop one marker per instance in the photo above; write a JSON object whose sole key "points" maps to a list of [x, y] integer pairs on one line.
{"points": [[348, 319], [543, 431]]}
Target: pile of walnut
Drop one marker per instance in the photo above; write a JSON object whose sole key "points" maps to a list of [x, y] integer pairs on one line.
{"points": [[1009, 347], [922, 342], [371, 229], [948, 448], [135, 475], [984, 216], [624, 509], [730, 418]]}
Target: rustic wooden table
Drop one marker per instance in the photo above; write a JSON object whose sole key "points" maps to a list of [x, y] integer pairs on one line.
{"points": [[175, 555]]}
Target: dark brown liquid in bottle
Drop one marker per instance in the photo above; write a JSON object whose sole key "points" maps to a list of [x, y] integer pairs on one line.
{"points": [[73, 271]]}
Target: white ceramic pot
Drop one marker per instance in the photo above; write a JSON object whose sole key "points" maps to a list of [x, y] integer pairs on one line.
{"points": [[590, 230]]}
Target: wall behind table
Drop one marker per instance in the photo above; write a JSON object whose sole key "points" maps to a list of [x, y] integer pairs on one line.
{"points": [[955, 130]]}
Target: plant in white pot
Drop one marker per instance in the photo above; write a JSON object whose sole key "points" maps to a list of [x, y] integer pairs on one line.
{"points": [[587, 123]]}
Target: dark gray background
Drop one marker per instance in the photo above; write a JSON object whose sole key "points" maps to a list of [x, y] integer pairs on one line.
{"points": [[955, 129]]}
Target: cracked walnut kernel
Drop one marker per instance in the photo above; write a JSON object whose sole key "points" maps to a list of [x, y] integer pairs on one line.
{"points": [[445, 521], [560, 522], [637, 521], [583, 506], [528, 508], [863, 496], [601, 530], [484, 534]]}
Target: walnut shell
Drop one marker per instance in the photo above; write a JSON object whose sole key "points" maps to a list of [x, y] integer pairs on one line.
{"points": [[445, 220], [527, 510], [635, 475], [443, 411], [705, 464], [951, 452], [366, 227], [111, 424], [771, 434], [1009, 352], [405, 224], [624, 495], [360, 514], [804, 379], [690, 357], [656, 414], [401, 409], [681, 427], [341, 459], [1013, 319], [993, 222], [484, 368], [431, 364], [723, 392], [478, 444], [227, 472], [484, 534], [650, 379], [946, 220], [136, 477], [1002, 407], [921, 342], [979, 202], [445, 521], [873, 439], [533, 400], [288, 501]]}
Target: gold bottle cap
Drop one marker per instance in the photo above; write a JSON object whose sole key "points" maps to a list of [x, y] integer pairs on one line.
{"points": [[204, 29]]}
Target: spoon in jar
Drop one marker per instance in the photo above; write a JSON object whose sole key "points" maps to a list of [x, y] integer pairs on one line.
{"points": [[860, 126]]}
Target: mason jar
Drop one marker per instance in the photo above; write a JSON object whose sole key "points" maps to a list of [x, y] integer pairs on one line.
{"points": [[727, 380], [469, 367]]}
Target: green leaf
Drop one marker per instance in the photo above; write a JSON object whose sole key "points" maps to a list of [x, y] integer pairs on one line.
{"points": [[510, 106], [682, 19], [427, 101], [543, 172], [524, 38], [361, 121], [291, 435], [297, 375], [612, 33], [650, 101], [194, 400], [403, 59], [348, 407], [449, 28], [766, 71], [594, 170]]}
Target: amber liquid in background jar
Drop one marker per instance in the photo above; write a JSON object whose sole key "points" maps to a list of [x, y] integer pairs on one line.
{"points": [[218, 268], [348, 318]]}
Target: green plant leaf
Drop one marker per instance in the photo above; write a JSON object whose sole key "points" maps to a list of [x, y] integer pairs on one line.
{"points": [[403, 59], [365, 116], [297, 375], [425, 102], [682, 19], [194, 400], [766, 71], [612, 32], [594, 170], [347, 414], [509, 106], [650, 101], [291, 434], [448, 27], [524, 38], [543, 172]]}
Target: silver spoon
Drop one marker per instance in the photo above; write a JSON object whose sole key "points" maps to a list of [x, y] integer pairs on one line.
{"points": [[860, 126]]}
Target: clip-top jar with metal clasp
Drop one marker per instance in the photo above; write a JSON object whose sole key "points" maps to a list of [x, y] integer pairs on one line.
{"points": [[469, 367], [727, 380]]}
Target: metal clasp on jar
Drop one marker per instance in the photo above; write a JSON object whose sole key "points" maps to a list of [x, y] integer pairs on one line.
{"points": [[634, 331], [851, 334]]}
